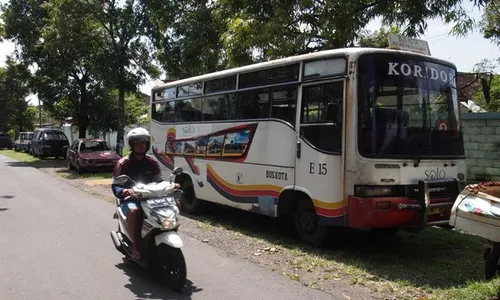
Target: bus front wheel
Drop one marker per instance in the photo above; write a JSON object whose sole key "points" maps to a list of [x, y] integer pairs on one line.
{"points": [[307, 225], [189, 202]]}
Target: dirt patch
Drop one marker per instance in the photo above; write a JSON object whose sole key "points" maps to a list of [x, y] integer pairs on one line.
{"points": [[99, 182]]}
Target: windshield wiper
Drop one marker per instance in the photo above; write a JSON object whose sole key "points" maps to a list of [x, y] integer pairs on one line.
{"points": [[416, 162], [418, 156]]}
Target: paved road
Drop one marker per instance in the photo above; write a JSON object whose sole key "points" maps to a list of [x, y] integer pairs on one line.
{"points": [[55, 244]]}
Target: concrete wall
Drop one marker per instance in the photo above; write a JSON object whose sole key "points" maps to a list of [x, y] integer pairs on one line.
{"points": [[72, 134], [482, 145]]}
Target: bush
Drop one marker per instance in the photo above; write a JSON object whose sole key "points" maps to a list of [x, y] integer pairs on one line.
{"points": [[12, 133]]}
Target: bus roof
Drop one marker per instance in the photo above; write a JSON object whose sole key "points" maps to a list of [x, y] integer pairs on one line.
{"points": [[297, 58]]}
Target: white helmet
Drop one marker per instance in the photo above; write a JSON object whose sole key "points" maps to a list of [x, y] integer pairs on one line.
{"points": [[138, 134]]}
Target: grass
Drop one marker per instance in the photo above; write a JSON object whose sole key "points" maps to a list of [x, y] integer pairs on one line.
{"points": [[21, 156], [38, 163], [436, 263]]}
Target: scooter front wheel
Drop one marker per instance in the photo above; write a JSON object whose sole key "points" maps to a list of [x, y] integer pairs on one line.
{"points": [[172, 267]]}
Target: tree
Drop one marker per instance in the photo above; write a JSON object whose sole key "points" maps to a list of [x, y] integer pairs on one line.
{"points": [[186, 34], [82, 50], [59, 38], [490, 23], [14, 88], [488, 65], [37, 114], [135, 108], [275, 29], [377, 39], [125, 58]]}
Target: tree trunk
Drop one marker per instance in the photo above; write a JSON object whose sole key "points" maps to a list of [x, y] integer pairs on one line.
{"points": [[121, 117], [83, 119]]}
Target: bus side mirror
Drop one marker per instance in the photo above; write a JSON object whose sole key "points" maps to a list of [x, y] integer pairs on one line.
{"points": [[486, 89]]}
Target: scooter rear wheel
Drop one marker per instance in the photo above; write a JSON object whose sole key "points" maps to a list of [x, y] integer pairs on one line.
{"points": [[172, 267]]}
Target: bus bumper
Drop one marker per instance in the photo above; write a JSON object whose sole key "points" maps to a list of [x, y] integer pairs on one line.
{"points": [[428, 209], [381, 212]]}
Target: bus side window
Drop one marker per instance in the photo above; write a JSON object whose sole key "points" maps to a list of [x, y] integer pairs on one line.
{"points": [[253, 104], [321, 117], [284, 101], [157, 111], [216, 108], [188, 110]]}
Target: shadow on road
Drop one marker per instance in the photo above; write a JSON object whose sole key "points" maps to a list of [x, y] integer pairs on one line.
{"points": [[6, 197], [45, 163], [3, 209], [17, 164], [145, 287]]}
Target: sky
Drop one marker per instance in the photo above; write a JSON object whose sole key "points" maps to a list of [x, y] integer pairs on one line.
{"points": [[464, 52]]}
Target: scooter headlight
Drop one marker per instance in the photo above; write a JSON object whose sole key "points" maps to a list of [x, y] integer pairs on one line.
{"points": [[168, 223], [169, 218]]}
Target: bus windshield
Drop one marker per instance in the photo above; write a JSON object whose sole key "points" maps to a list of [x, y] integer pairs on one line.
{"points": [[408, 108]]}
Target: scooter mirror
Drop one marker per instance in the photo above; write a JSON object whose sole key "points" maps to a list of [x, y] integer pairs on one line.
{"points": [[121, 180], [178, 171]]}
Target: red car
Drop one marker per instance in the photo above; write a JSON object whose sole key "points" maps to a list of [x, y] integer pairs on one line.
{"points": [[91, 154]]}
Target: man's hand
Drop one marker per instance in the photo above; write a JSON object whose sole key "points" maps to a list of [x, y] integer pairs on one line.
{"points": [[128, 192]]}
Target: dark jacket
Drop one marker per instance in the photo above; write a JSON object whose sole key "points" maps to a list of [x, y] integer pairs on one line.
{"points": [[144, 171]]}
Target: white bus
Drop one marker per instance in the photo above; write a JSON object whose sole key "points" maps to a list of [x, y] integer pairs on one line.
{"points": [[356, 137]]}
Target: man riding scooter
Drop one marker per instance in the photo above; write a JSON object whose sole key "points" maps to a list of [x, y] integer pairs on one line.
{"points": [[142, 168]]}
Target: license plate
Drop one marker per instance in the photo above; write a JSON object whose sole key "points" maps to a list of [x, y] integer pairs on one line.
{"points": [[157, 202], [435, 211]]}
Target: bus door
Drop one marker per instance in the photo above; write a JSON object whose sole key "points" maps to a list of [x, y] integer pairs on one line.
{"points": [[319, 165]]}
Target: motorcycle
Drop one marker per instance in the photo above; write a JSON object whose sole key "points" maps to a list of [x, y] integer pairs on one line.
{"points": [[161, 254], [477, 211]]}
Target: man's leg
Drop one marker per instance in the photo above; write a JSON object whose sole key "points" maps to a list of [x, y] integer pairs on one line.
{"points": [[132, 214]]}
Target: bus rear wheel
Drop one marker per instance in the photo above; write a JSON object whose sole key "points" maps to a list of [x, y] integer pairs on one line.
{"points": [[307, 226]]}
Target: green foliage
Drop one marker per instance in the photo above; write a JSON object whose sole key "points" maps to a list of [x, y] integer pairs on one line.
{"points": [[104, 114], [126, 56], [62, 45], [377, 39], [14, 88], [12, 133], [83, 50], [490, 24], [275, 29], [186, 35]]}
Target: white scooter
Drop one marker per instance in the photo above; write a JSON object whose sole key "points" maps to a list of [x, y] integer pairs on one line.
{"points": [[162, 252], [477, 211]]}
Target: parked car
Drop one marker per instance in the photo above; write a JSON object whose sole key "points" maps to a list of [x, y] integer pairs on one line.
{"points": [[91, 154], [23, 142], [49, 142], [5, 141]]}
